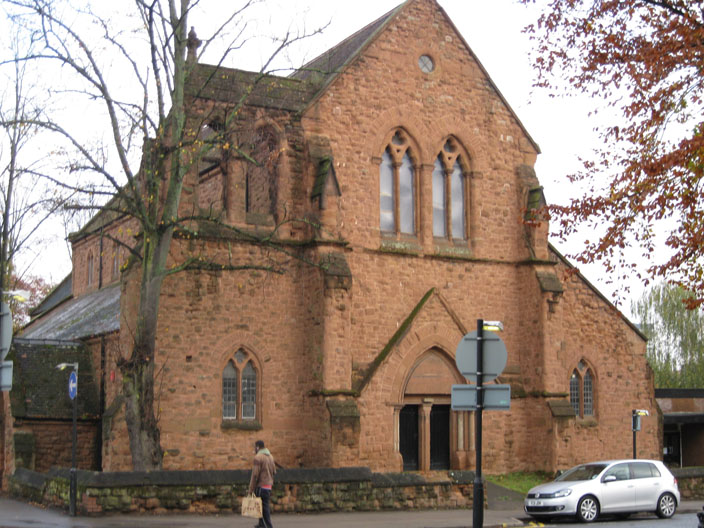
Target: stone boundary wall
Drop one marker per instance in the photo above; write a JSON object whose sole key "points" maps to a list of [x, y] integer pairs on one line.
{"points": [[296, 490], [690, 481]]}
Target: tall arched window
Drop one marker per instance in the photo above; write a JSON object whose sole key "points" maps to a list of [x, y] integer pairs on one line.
{"points": [[261, 179], [229, 392], [588, 394], [575, 393], [89, 270], [397, 187], [240, 390], [116, 261], [582, 390], [249, 392], [449, 194]]}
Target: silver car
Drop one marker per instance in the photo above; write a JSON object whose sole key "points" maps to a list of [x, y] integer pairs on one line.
{"points": [[618, 487]]}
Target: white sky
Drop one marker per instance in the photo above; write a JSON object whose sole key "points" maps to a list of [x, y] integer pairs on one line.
{"points": [[493, 29]]}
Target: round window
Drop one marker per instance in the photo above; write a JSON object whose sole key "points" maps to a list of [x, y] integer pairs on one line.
{"points": [[426, 64]]}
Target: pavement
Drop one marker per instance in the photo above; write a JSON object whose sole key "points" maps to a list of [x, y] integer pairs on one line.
{"points": [[504, 509]]}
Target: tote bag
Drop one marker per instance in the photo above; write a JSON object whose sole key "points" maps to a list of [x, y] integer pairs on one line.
{"points": [[252, 506]]}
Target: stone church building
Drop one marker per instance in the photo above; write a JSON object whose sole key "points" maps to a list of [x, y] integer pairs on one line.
{"points": [[417, 183]]}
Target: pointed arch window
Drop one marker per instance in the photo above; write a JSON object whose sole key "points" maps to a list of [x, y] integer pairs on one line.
{"points": [[582, 391], [261, 180], [575, 382], [240, 391], [116, 261], [90, 266], [449, 194], [397, 187], [229, 392]]}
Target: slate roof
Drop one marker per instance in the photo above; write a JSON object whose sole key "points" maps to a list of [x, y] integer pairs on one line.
{"points": [[325, 67], [55, 297], [229, 85], [41, 391], [96, 313]]}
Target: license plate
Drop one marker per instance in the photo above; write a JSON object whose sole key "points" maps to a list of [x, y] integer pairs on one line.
{"points": [[535, 503]]}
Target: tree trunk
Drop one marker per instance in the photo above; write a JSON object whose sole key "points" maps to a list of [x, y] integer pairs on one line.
{"points": [[144, 434]]}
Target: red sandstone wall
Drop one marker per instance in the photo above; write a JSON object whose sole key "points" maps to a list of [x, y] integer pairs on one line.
{"points": [[53, 442], [307, 338], [123, 230]]}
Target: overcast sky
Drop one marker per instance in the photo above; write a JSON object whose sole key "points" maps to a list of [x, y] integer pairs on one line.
{"points": [[493, 29]]}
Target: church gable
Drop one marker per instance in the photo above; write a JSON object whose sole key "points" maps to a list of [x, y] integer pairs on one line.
{"points": [[431, 324]]}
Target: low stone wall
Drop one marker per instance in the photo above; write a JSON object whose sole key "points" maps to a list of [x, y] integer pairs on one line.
{"points": [[296, 490], [690, 481]]}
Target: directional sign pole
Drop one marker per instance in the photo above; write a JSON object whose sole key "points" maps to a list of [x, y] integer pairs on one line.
{"points": [[478, 499]]}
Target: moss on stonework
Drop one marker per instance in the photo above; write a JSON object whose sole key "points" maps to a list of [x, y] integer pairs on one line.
{"points": [[378, 360], [400, 246], [455, 252]]}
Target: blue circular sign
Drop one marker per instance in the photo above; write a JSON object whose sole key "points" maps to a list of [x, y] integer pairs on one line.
{"points": [[73, 385]]}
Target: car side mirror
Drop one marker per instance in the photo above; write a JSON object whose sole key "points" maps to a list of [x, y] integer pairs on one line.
{"points": [[609, 478]]}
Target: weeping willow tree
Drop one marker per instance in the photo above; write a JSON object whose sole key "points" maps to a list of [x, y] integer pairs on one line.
{"points": [[675, 336]]}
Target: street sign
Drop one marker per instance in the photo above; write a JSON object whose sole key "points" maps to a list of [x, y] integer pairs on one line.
{"points": [[493, 358], [72, 385], [496, 397], [5, 375], [5, 330]]}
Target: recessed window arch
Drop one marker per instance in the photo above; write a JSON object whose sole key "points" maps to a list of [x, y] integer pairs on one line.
{"points": [[90, 265], [116, 261], [582, 383], [397, 186], [261, 176], [450, 192], [241, 390]]}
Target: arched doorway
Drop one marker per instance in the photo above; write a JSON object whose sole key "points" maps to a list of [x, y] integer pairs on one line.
{"points": [[430, 435]]}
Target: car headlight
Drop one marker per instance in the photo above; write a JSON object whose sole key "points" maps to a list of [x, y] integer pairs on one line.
{"points": [[562, 493]]}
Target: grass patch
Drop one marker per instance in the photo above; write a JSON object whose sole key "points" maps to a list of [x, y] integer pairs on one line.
{"points": [[520, 481]]}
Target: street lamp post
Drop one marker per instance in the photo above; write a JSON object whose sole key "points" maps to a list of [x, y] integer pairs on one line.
{"points": [[72, 393]]}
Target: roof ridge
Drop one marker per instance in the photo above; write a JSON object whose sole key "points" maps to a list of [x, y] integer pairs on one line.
{"points": [[355, 42]]}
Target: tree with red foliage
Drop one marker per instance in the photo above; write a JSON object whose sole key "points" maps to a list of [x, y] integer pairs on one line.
{"points": [[38, 289], [645, 60]]}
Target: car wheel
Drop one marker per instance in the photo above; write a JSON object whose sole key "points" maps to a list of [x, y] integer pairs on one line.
{"points": [[666, 506], [588, 509]]}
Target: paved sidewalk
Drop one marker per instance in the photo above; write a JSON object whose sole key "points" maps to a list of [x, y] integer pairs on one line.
{"points": [[17, 514], [503, 512]]}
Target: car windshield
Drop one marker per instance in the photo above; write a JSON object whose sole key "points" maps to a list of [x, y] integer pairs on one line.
{"points": [[584, 472]]}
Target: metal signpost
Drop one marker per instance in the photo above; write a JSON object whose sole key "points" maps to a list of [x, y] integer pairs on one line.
{"points": [[72, 393], [480, 356]]}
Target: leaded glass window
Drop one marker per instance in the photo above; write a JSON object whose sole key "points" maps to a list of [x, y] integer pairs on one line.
{"points": [[229, 392], [397, 187], [407, 198], [249, 392], [439, 207], [449, 194], [387, 196], [574, 392], [588, 394], [457, 195]]}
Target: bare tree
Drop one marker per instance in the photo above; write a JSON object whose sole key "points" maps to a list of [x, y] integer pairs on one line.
{"points": [[26, 198], [132, 72]]}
